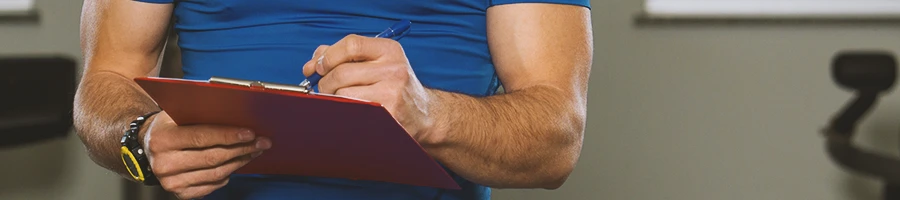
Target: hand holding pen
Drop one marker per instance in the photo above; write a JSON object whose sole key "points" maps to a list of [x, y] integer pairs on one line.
{"points": [[376, 70], [394, 32]]}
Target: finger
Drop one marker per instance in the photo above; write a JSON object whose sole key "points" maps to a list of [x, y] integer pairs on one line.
{"points": [[310, 67], [197, 183], [355, 74], [355, 48], [190, 160], [203, 136], [208, 176], [199, 192], [360, 92]]}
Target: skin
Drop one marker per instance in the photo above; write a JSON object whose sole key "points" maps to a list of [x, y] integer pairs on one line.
{"points": [[528, 138], [122, 40]]}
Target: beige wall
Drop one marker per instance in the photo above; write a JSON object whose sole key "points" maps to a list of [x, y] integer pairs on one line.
{"points": [[676, 112]]}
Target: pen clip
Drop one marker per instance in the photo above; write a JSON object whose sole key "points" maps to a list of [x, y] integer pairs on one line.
{"points": [[258, 84], [396, 31]]}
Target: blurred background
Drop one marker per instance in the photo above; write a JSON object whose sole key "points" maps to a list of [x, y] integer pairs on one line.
{"points": [[680, 108]]}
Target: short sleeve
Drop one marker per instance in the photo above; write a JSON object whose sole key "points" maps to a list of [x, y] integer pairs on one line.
{"points": [[585, 3], [156, 1]]}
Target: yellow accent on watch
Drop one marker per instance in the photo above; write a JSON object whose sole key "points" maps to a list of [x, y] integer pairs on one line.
{"points": [[134, 167]]}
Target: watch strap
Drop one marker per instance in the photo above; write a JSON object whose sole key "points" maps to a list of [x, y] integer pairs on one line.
{"points": [[133, 154]]}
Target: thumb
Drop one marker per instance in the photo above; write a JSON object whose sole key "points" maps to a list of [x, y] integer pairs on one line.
{"points": [[310, 67]]}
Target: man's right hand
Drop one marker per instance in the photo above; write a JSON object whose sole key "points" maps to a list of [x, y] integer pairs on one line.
{"points": [[193, 161]]}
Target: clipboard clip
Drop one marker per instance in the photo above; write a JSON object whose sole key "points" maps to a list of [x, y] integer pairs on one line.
{"points": [[261, 85]]}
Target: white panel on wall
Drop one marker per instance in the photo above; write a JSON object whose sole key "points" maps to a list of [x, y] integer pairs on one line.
{"points": [[16, 5], [773, 8]]}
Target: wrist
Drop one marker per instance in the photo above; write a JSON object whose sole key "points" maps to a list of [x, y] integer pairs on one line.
{"points": [[145, 129], [134, 152], [433, 132]]}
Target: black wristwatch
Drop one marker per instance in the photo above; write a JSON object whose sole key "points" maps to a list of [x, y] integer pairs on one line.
{"points": [[133, 154]]}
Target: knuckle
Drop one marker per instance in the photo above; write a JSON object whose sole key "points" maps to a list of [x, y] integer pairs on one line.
{"points": [[318, 52], [221, 173], [354, 45], [353, 37], [398, 71], [320, 48], [217, 174], [155, 145], [160, 168], [196, 141], [325, 84], [211, 161], [337, 75], [168, 185]]}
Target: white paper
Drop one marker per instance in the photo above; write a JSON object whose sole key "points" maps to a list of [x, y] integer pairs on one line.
{"points": [[16, 5], [774, 7]]}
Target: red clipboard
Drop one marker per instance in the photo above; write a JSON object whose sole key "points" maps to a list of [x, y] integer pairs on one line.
{"points": [[312, 134]]}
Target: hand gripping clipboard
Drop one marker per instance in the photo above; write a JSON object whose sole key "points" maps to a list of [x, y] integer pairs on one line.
{"points": [[312, 134]]}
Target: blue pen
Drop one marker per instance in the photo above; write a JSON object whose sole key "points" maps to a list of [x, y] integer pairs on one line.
{"points": [[395, 32]]}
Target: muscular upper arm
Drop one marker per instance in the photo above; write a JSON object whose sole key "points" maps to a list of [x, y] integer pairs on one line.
{"points": [[123, 36], [541, 44]]}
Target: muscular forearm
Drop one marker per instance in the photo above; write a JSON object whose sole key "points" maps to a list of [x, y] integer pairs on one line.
{"points": [[104, 105], [528, 138]]}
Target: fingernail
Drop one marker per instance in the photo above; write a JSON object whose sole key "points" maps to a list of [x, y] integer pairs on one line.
{"points": [[263, 144], [319, 63], [254, 155], [246, 135]]}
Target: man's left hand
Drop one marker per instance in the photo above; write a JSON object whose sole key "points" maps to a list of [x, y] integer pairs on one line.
{"points": [[374, 69]]}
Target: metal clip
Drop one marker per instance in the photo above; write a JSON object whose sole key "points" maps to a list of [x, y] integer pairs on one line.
{"points": [[306, 85], [258, 84]]}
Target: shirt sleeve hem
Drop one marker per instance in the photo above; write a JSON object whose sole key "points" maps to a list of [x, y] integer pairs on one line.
{"points": [[156, 1], [584, 3]]}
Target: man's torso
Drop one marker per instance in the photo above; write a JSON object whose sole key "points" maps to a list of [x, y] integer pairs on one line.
{"points": [[271, 40]]}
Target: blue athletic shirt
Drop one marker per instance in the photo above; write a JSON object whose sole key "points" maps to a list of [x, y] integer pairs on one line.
{"points": [[270, 40]]}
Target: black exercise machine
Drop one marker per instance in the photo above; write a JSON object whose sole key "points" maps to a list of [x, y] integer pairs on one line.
{"points": [[868, 74], [36, 96]]}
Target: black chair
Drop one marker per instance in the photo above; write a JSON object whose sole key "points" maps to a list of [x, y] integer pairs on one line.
{"points": [[36, 97], [868, 74]]}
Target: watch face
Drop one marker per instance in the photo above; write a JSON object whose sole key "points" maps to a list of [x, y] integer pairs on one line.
{"points": [[131, 164]]}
